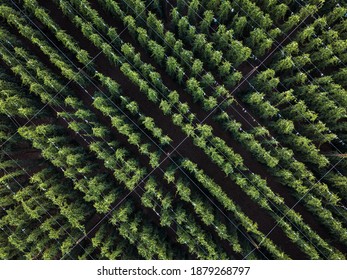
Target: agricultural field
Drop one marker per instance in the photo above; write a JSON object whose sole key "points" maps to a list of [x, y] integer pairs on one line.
{"points": [[163, 129]]}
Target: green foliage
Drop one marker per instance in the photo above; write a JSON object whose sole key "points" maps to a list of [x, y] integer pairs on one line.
{"points": [[161, 140]]}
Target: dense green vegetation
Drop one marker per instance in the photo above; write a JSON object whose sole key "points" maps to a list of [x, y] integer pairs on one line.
{"points": [[203, 129]]}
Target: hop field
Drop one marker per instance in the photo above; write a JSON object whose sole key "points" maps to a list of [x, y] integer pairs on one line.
{"points": [[203, 129]]}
